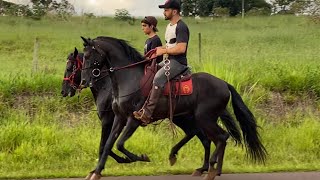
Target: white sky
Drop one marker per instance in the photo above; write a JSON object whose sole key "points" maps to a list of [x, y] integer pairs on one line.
{"points": [[107, 7]]}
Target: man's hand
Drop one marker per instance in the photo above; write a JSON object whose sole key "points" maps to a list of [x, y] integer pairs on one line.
{"points": [[161, 51]]}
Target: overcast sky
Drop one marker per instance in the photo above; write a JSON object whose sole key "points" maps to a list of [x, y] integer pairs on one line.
{"points": [[107, 7]]}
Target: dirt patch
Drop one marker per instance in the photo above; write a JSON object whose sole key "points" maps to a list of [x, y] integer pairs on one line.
{"points": [[281, 106]]}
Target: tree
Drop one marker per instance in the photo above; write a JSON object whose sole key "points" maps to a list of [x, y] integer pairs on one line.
{"points": [[235, 6], [207, 7], [188, 7], [204, 7], [63, 9], [38, 10], [11, 9], [124, 15]]}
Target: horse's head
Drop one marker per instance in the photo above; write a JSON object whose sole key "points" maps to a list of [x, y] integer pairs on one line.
{"points": [[72, 74], [107, 54], [93, 57]]}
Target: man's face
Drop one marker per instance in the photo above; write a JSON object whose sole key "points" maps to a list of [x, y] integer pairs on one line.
{"points": [[146, 28], [168, 14]]}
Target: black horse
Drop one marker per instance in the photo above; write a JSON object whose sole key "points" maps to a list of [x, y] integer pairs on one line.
{"points": [[101, 90], [208, 101]]}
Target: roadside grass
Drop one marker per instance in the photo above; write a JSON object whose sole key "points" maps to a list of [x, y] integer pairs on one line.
{"points": [[45, 135]]}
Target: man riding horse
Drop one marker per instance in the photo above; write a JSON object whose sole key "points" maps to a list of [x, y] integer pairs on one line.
{"points": [[177, 38]]}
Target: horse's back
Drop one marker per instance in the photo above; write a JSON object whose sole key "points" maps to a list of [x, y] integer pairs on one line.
{"points": [[207, 85]]}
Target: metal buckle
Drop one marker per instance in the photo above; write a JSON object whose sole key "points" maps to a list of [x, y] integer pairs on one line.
{"points": [[96, 72]]}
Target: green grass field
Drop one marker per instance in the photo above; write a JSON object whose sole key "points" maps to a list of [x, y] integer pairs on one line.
{"points": [[272, 61]]}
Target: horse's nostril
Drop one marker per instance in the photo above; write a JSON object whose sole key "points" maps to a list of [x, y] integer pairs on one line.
{"points": [[62, 92]]}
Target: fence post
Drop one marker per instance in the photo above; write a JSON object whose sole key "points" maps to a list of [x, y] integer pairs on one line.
{"points": [[199, 36], [35, 56]]}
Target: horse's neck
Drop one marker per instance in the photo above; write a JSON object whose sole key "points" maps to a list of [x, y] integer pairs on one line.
{"points": [[102, 86], [126, 82]]}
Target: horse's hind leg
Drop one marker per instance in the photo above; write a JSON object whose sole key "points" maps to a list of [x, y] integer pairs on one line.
{"points": [[177, 147], [221, 146], [206, 144], [184, 122], [130, 128], [217, 157], [219, 137], [188, 125]]}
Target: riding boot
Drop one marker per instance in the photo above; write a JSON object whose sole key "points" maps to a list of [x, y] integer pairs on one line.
{"points": [[145, 113]]}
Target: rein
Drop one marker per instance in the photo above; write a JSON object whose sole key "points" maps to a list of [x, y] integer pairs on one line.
{"points": [[149, 56]]}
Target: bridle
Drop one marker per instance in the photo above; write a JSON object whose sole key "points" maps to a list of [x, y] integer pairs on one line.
{"points": [[149, 56], [96, 71], [70, 79]]}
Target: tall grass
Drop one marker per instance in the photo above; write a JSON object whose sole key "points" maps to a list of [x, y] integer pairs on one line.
{"points": [[45, 135]]}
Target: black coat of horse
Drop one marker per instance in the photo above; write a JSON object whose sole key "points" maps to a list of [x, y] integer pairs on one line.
{"points": [[101, 89], [208, 101]]}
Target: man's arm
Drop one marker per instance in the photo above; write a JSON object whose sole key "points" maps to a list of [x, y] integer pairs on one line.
{"points": [[180, 48]]}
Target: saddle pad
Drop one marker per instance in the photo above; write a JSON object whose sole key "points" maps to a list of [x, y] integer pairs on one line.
{"points": [[186, 88]]}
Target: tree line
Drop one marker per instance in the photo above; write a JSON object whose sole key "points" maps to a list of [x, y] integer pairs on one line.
{"points": [[204, 8], [37, 9]]}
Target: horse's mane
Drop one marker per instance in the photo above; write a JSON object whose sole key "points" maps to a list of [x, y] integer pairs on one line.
{"points": [[129, 50]]}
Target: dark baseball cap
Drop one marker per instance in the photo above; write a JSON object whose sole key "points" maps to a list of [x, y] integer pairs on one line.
{"points": [[151, 20], [171, 4]]}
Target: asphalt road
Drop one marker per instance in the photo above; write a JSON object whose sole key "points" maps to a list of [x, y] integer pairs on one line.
{"points": [[257, 176]]}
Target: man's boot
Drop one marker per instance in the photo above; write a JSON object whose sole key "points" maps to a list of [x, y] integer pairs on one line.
{"points": [[145, 113]]}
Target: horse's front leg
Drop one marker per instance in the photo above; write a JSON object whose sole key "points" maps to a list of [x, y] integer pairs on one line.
{"points": [[106, 125], [118, 124], [130, 128]]}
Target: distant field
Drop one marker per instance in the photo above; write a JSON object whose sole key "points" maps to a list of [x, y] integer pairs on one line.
{"points": [[272, 61]]}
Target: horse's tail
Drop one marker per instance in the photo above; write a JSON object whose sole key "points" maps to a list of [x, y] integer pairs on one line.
{"points": [[231, 126], [248, 125]]}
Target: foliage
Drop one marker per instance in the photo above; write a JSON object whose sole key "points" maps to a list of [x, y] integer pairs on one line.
{"points": [[207, 7], [259, 12], [124, 15], [38, 9], [63, 9], [11, 9], [220, 12]]}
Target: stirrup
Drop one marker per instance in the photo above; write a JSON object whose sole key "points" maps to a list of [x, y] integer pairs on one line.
{"points": [[142, 111]]}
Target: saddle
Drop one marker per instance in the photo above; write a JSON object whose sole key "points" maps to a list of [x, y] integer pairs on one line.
{"points": [[181, 85]]}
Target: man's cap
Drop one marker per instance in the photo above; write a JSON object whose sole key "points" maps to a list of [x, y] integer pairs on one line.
{"points": [[173, 4], [151, 20]]}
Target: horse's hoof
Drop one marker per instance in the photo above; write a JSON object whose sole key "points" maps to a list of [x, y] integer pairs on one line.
{"points": [[211, 174], [197, 173], [145, 158], [89, 176], [173, 160], [95, 176]]}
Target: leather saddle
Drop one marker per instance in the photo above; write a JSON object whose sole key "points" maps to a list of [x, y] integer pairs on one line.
{"points": [[179, 85]]}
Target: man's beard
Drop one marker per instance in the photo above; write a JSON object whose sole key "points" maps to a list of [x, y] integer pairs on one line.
{"points": [[169, 17]]}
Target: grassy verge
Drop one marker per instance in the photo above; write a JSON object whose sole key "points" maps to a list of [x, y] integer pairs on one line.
{"points": [[272, 61]]}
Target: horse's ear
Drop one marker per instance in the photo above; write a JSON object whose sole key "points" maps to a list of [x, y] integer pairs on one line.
{"points": [[75, 53], [86, 41]]}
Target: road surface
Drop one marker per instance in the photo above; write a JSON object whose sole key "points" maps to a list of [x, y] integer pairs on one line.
{"points": [[251, 176]]}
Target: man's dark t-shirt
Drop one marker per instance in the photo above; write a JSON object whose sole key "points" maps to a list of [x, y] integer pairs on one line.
{"points": [[152, 43]]}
